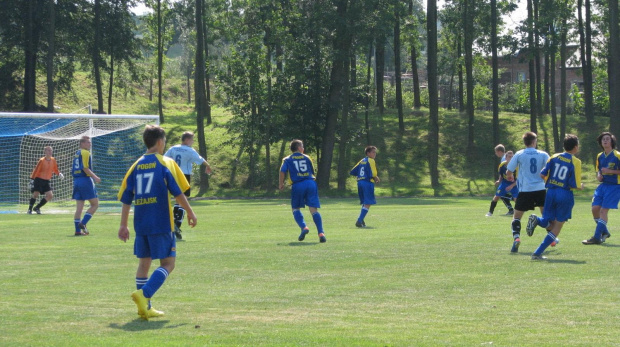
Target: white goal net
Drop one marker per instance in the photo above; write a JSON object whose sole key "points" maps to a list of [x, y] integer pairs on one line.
{"points": [[116, 144]]}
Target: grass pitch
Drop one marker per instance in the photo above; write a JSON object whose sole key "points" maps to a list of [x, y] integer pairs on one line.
{"points": [[425, 272]]}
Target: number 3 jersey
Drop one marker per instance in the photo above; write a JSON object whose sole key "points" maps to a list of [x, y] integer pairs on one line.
{"points": [[529, 162], [563, 170], [299, 166], [147, 184], [365, 170]]}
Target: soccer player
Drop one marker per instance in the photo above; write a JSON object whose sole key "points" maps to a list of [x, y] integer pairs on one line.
{"points": [[562, 174], [366, 173], [529, 162], [304, 191], [500, 152], [40, 180], [607, 194], [83, 186], [185, 156], [147, 184], [505, 189]]}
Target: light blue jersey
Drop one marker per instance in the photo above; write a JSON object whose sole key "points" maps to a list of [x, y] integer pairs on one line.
{"points": [[184, 156], [529, 162]]}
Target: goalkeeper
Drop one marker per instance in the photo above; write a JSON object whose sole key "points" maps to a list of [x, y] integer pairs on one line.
{"points": [[40, 180], [185, 156]]}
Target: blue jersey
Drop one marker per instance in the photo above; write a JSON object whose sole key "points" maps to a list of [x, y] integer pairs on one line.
{"points": [[365, 169], [147, 184], [610, 161], [185, 157], [529, 162], [299, 167], [563, 171], [81, 161], [503, 167]]}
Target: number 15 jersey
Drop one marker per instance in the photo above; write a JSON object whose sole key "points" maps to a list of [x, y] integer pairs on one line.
{"points": [[529, 162], [299, 166]]}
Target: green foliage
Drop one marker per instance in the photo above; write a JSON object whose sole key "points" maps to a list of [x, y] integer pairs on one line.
{"points": [[514, 97]]}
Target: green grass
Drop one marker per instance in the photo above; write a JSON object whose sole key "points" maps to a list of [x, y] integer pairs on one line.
{"points": [[426, 272]]}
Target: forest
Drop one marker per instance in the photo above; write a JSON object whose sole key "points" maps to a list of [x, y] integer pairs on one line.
{"points": [[314, 69]]}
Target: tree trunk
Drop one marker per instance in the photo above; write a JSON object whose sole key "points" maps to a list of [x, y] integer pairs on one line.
{"points": [[341, 44], [537, 59], [160, 63], [111, 81], [200, 98], [30, 56], [469, 71], [554, 116], [417, 104], [97, 56], [584, 55], [397, 76], [495, 82], [366, 120], [206, 66], [613, 66], [532, 69], [343, 165], [433, 121], [50, 57], [269, 182], [459, 53], [380, 71], [563, 92], [188, 76]]}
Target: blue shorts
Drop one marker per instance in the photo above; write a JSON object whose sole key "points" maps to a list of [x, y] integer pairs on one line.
{"points": [[502, 192], [305, 193], [558, 205], [84, 188], [606, 196], [366, 192], [156, 246]]}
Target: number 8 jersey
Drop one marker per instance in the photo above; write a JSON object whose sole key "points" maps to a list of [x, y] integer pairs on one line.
{"points": [[147, 184], [299, 166], [529, 162]]}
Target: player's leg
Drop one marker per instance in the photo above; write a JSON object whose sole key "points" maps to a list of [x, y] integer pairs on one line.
{"points": [[551, 238], [524, 203], [508, 205], [33, 199], [179, 213], [318, 221], [48, 197], [79, 206], [94, 205], [312, 200]]}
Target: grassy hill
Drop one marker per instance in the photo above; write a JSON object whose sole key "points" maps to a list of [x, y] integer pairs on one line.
{"points": [[401, 159]]}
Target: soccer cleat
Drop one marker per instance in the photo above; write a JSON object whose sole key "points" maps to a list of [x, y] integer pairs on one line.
{"points": [[322, 238], [37, 210], [152, 313], [80, 233], [510, 213], [489, 214], [554, 243], [177, 233], [142, 303], [605, 236], [360, 224], [538, 257], [302, 236], [29, 211], [515, 245], [592, 241], [83, 227], [532, 222]]}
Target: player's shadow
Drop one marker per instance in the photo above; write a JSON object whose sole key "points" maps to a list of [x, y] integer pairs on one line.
{"points": [[140, 324], [609, 245], [300, 244]]}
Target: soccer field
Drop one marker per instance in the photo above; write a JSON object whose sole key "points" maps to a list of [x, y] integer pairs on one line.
{"points": [[425, 272]]}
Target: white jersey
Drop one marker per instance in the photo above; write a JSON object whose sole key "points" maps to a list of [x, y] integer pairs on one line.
{"points": [[529, 161], [185, 156]]}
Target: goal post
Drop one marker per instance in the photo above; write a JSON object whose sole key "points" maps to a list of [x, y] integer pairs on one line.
{"points": [[116, 144]]}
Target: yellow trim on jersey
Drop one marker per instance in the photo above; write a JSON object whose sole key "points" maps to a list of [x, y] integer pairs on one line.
{"points": [[85, 156], [176, 171], [577, 164], [373, 168], [124, 183]]}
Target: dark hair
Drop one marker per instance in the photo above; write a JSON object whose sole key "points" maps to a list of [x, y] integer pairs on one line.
{"points": [[152, 133], [369, 149], [296, 145], [529, 138], [186, 135], [599, 139], [570, 142], [500, 147]]}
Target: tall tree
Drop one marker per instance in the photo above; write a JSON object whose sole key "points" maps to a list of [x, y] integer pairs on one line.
{"points": [[96, 55], [160, 60], [468, 20], [585, 41], [50, 56], [32, 24], [412, 30], [494, 63], [613, 67], [200, 99], [397, 67], [433, 94], [531, 66]]}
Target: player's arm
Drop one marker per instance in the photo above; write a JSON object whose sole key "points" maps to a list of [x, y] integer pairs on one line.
{"points": [[123, 231], [281, 180], [373, 170], [90, 173], [191, 217], [36, 171], [207, 168]]}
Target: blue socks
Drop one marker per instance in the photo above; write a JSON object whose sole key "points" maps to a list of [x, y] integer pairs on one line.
{"points": [[364, 212], [152, 285], [543, 223], [318, 221], [601, 227], [87, 217], [299, 218], [77, 225], [546, 243]]}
